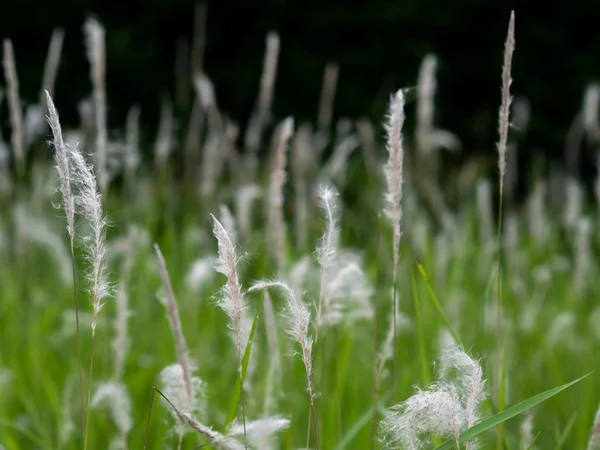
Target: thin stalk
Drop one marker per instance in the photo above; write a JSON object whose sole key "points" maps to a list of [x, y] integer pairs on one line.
{"points": [[238, 332], [498, 319], [149, 417], [375, 378], [79, 368], [394, 326], [89, 396], [338, 397], [312, 413]]}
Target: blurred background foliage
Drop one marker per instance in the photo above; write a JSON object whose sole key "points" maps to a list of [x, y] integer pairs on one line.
{"points": [[378, 44]]}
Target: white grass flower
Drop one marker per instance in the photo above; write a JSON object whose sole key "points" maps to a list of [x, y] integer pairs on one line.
{"points": [[164, 145], [228, 221], [199, 274], [175, 388], [61, 156], [436, 412], [591, 100], [347, 292], [471, 385], [172, 379], [327, 246], [336, 167], [298, 316], [537, 217], [115, 397], [94, 33], [33, 124], [573, 203], [216, 439], [302, 163], [526, 429], [88, 201], [299, 274], [245, 196], [445, 409], [394, 169], [212, 158], [232, 299], [14, 105], [265, 97], [260, 432], [504, 115], [51, 66], [325, 114], [275, 218], [205, 92], [425, 104], [132, 145]]}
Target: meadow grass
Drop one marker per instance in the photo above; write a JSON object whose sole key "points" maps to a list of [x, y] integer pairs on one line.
{"points": [[520, 302]]}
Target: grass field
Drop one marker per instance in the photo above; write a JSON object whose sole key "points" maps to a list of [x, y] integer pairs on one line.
{"points": [[522, 305]]}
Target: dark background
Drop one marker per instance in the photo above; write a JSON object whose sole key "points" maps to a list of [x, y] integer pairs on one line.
{"points": [[378, 44]]}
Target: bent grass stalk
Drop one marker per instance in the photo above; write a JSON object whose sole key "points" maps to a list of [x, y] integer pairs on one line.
{"points": [[174, 321]]}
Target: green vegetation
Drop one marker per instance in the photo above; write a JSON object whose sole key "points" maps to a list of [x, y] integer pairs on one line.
{"points": [[297, 321]]}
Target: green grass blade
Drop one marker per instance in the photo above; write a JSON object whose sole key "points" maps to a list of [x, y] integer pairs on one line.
{"points": [[422, 350], [436, 304], [508, 414], [360, 424], [235, 401], [564, 435]]}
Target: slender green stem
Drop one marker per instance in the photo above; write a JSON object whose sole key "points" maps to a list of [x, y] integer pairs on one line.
{"points": [[500, 359], [79, 368], [375, 377], [242, 399], [89, 393]]}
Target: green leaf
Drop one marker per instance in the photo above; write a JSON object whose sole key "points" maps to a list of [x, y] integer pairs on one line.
{"points": [[360, 424], [237, 392], [436, 303], [507, 414], [564, 435]]}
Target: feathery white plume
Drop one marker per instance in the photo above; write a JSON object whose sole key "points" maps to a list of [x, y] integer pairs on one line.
{"points": [[260, 432], [200, 273], [61, 156], [446, 409], [394, 169], [115, 397], [504, 116], [88, 201]]}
